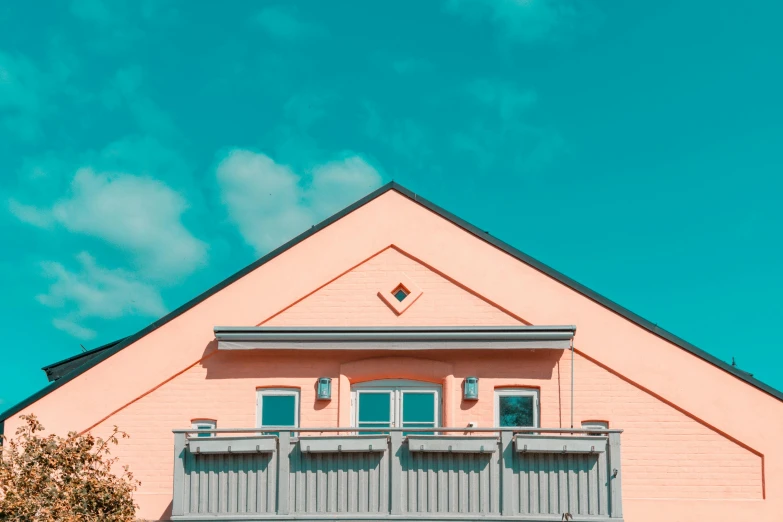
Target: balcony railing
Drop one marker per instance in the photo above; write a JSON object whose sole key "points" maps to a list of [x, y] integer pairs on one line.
{"points": [[329, 473]]}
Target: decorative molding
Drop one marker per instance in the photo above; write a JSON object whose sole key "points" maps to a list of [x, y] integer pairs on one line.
{"points": [[395, 282]]}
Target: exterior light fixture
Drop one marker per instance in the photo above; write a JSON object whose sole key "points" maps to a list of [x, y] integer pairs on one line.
{"points": [[470, 389], [324, 388]]}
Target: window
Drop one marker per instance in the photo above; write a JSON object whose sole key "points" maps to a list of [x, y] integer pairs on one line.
{"points": [[390, 403], [400, 293], [277, 407], [203, 424], [593, 424], [516, 407]]}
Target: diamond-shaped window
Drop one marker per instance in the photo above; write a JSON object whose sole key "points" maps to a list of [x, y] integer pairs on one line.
{"points": [[400, 293]]}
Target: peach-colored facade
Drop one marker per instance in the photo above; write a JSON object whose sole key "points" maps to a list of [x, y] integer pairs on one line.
{"points": [[698, 442]]}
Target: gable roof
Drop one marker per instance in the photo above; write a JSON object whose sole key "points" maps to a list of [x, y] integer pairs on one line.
{"points": [[70, 368]]}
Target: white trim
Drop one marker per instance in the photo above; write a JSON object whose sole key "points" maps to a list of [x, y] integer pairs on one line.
{"points": [[261, 392], [396, 388], [370, 390], [203, 424], [595, 424], [518, 392]]}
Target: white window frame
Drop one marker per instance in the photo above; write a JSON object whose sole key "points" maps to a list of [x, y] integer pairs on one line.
{"points": [[396, 387], [261, 392], [595, 424], [518, 392], [203, 424]]}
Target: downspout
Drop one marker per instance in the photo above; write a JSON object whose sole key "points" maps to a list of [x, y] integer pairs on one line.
{"points": [[572, 383]]}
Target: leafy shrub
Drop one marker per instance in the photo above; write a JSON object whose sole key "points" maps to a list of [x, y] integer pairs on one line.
{"points": [[63, 479]]}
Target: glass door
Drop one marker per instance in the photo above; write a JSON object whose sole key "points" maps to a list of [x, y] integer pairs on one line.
{"points": [[396, 404], [418, 409], [374, 409]]}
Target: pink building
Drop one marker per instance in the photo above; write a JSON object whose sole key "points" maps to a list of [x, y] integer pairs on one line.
{"points": [[395, 362]]}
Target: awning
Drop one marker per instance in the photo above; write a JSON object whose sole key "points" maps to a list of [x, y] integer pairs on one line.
{"points": [[395, 338]]}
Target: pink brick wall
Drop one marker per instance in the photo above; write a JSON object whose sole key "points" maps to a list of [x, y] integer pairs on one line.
{"points": [[352, 299], [666, 453]]}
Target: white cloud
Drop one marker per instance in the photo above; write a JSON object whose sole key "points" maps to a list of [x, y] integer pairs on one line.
{"points": [[262, 198], [30, 215], [93, 291], [269, 204], [522, 20], [137, 214], [74, 329], [339, 183]]}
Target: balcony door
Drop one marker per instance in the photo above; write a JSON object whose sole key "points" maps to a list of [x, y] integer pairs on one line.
{"points": [[391, 403]]}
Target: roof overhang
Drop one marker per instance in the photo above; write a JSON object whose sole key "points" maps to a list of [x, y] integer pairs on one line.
{"points": [[391, 338]]}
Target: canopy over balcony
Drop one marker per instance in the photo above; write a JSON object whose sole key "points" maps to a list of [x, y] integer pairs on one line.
{"points": [[395, 338]]}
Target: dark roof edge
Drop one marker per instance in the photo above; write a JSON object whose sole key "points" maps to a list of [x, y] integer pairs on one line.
{"points": [[554, 274], [81, 355]]}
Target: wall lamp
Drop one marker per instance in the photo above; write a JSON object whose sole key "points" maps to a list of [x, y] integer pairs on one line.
{"points": [[470, 389], [324, 388]]}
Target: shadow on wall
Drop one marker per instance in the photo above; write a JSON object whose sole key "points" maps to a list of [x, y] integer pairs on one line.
{"points": [[501, 364], [505, 368], [166, 515]]}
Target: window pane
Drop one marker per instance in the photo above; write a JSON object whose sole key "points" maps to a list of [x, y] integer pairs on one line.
{"points": [[515, 410], [374, 407], [278, 410], [418, 407]]}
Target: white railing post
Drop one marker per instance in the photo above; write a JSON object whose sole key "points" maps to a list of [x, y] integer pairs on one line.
{"points": [[283, 472], [506, 473], [178, 500], [615, 477], [395, 465]]}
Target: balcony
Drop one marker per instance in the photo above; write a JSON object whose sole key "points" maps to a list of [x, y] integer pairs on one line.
{"points": [[453, 474]]}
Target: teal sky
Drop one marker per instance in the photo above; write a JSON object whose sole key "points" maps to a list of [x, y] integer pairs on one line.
{"points": [[149, 149]]}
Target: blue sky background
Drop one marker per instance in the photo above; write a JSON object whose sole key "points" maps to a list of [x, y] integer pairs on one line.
{"points": [[149, 149]]}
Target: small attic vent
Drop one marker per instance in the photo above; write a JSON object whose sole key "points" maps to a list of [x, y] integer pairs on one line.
{"points": [[400, 293]]}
